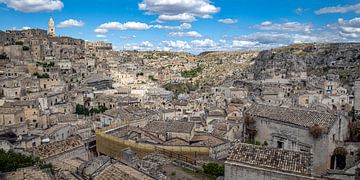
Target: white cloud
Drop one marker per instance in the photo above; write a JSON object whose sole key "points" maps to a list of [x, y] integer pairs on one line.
{"points": [[179, 10], [103, 28], [191, 34], [228, 21], [203, 43], [101, 36], [247, 44], [25, 28], [339, 9], [71, 22], [266, 23], [176, 45], [288, 26], [349, 28], [34, 5], [182, 26], [178, 17], [99, 30], [147, 44], [299, 11]]}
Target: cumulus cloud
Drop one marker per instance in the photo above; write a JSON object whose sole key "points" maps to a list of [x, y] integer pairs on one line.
{"points": [[339, 9], [349, 28], [228, 21], [191, 34], [176, 45], [101, 36], [98, 30], [178, 17], [203, 43], [182, 26], [179, 10], [246, 44], [103, 28], [71, 22], [143, 46], [34, 5], [288, 26]]}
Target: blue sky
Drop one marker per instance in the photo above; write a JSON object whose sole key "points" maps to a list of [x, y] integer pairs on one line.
{"points": [[190, 25]]}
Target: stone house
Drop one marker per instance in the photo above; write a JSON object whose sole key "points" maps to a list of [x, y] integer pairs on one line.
{"points": [[253, 162], [60, 132], [11, 116], [166, 130], [291, 129]]}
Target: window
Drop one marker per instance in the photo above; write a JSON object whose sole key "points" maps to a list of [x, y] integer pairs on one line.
{"points": [[280, 144]]}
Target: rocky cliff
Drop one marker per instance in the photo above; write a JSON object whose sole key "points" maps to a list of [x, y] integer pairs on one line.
{"points": [[316, 59]]}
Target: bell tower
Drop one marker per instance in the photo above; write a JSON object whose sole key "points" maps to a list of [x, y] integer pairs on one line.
{"points": [[51, 28]]}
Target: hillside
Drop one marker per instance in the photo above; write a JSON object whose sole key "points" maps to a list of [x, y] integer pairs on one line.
{"points": [[316, 59]]}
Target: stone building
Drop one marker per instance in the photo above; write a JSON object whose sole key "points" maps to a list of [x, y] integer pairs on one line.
{"points": [[357, 95], [253, 162], [294, 129]]}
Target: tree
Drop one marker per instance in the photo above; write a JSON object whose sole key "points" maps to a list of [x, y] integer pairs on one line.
{"points": [[214, 169], [10, 161]]}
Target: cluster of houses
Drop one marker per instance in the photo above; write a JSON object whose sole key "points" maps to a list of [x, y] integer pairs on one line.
{"points": [[61, 96]]}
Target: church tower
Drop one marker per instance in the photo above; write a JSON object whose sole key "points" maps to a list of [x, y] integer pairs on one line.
{"points": [[51, 28]]}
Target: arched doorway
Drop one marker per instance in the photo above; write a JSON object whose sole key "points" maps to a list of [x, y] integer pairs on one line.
{"points": [[338, 159]]}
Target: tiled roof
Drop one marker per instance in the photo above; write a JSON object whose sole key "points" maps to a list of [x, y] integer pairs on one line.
{"points": [[47, 150], [173, 126], [300, 117], [119, 171], [271, 158]]}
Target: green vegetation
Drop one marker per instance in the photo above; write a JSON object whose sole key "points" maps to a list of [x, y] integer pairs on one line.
{"points": [[192, 73], [26, 48], [214, 169], [139, 74], [41, 76], [19, 43], [4, 56], [257, 143], [152, 78], [10, 161], [180, 88], [45, 65], [82, 110]]}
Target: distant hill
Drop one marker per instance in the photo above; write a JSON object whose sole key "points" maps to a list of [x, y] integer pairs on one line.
{"points": [[316, 59]]}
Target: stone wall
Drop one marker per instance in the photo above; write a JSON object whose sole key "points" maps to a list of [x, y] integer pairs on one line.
{"points": [[357, 95]]}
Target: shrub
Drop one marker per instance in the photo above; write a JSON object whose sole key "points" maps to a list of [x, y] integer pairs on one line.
{"points": [[249, 120], [257, 143], [10, 161], [3, 56], [316, 131], [26, 48], [19, 43], [214, 169]]}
